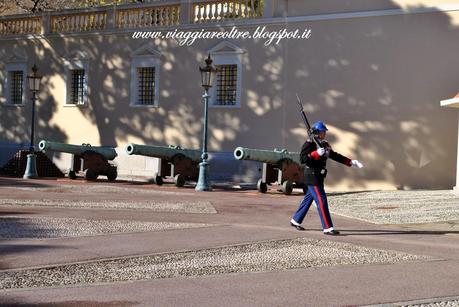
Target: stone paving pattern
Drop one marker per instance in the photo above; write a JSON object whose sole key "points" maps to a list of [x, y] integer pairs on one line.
{"points": [[47, 227], [77, 243], [160, 206], [438, 304], [397, 207], [266, 256], [434, 302]]}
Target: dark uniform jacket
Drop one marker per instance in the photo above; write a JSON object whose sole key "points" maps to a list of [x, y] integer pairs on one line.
{"points": [[315, 168]]}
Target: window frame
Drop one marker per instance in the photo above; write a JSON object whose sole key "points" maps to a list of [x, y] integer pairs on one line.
{"points": [[216, 102], [10, 67], [227, 53], [71, 65], [144, 61]]}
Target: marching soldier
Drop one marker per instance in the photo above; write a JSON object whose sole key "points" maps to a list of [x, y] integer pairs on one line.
{"points": [[315, 159]]}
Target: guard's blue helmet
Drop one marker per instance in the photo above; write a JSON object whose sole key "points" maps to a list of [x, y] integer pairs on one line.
{"points": [[319, 126]]}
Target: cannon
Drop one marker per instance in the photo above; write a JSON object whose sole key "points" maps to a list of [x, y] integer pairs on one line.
{"points": [[174, 161], [279, 166], [92, 161]]}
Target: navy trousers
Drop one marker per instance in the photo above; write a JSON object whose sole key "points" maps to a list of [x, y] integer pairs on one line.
{"points": [[317, 194]]}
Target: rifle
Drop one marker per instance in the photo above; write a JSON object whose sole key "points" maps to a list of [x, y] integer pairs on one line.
{"points": [[308, 126]]}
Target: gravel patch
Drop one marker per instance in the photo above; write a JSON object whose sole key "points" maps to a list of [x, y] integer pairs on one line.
{"points": [[203, 207], [433, 302], [99, 188], [397, 207], [254, 257], [437, 304], [49, 227]]}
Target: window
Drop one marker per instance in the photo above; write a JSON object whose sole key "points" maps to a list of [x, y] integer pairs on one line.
{"points": [[76, 80], [15, 86], [13, 90], [226, 90], [145, 67], [77, 87], [226, 84], [146, 89]]}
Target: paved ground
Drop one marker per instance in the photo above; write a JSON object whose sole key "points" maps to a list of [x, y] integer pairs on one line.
{"points": [[74, 243]]}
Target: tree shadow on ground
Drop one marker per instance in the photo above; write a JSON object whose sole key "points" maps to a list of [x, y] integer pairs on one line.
{"points": [[15, 182], [14, 227], [74, 303], [350, 192]]}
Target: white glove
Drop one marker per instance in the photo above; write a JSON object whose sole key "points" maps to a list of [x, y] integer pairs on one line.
{"points": [[321, 151], [356, 163]]}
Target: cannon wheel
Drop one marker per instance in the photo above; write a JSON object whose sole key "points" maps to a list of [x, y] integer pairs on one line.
{"points": [[90, 174], [262, 186], [112, 174], [158, 179], [179, 180], [72, 175], [287, 187]]}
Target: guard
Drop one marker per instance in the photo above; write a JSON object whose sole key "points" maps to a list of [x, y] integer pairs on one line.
{"points": [[314, 155]]}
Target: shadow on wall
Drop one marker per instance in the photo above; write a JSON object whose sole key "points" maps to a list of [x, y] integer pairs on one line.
{"points": [[376, 82], [15, 121]]}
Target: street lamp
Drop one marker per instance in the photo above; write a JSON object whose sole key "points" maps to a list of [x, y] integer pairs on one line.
{"points": [[207, 75], [34, 85]]}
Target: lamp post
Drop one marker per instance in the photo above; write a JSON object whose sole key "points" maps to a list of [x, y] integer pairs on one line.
{"points": [[207, 77], [34, 85]]}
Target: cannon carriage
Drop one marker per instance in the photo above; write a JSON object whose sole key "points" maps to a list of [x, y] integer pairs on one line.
{"points": [[279, 166], [175, 162], [90, 161]]}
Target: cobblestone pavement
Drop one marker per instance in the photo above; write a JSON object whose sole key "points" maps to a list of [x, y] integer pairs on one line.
{"points": [[434, 302], [16, 227], [454, 303], [159, 206], [101, 188], [397, 207], [74, 241], [266, 256]]}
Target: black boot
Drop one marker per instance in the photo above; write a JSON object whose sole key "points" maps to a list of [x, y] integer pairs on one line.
{"points": [[298, 227]]}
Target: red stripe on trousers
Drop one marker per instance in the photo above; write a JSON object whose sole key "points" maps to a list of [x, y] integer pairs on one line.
{"points": [[321, 206]]}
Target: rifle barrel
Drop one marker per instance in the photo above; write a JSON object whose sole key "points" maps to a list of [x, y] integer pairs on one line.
{"points": [[306, 122]]}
